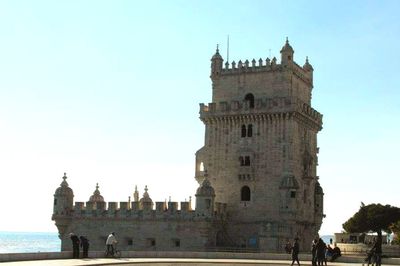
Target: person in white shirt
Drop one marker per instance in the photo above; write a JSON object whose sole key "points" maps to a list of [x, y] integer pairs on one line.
{"points": [[111, 240]]}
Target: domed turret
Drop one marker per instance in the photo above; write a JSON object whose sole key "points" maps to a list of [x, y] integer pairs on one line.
{"points": [[287, 53], [205, 189], [318, 200], [63, 198], [205, 196], [216, 64], [307, 66], [146, 203], [96, 197]]}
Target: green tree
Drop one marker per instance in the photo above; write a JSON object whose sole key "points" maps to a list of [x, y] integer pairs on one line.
{"points": [[372, 217]]}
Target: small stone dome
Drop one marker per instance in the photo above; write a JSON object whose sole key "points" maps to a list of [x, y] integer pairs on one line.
{"points": [[289, 181], [307, 66], [96, 197], [216, 55], [146, 197], [287, 47], [64, 189], [205, 189]]}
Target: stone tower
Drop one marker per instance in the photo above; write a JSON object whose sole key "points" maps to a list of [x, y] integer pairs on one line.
{"points": [[260, 151]]}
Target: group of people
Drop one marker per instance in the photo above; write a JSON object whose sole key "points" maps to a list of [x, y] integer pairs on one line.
{"points": [[83, 242], [374, 255], [79, 241], [320, 251]]}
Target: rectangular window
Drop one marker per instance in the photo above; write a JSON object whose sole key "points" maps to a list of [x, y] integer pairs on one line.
{"points": [[176, 242], [151, 242], [293, 194]]}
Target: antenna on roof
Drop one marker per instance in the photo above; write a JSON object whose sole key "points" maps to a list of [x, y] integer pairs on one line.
{"points": [[227, 51]]}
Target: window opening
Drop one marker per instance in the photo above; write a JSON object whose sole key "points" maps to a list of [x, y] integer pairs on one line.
{"points": [[250, 99], [245, 193], [250, 130], [243, 131], [247, 160]]}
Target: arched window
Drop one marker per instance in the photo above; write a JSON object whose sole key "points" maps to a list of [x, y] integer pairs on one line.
{"points": [[250, 130], [244, 131], [245, 193], [250, 98]]}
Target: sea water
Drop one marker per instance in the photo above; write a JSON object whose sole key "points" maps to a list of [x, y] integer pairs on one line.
{"points": [[26, 242]]}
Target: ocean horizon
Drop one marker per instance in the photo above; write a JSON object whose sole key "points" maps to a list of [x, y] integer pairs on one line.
{"points": [[29, 242], [32, 242]]}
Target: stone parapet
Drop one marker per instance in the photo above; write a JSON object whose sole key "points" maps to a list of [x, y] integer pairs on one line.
{"points": [[268, 108]]}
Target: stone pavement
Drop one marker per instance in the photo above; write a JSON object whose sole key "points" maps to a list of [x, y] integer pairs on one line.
{"points": [[163, 262]]}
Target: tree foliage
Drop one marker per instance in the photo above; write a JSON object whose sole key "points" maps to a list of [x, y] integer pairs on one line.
{"points": [[372, 217]]}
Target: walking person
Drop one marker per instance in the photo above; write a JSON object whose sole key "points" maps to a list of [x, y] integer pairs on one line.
{"points": [[321, 249], [75, 245], [314, 252], [85, 246], [295, 251], [377, 249]]}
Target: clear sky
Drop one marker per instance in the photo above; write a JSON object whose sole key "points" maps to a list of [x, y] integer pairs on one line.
{"points": [[109, 92]]}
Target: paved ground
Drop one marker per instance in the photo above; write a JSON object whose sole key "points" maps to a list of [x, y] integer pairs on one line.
{"points": [[162, 262]]}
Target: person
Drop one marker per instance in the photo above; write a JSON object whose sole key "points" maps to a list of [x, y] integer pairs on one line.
{"points": [[377, 250], [288, 247], [295, 251], [314, 252], [85, 246], [336, 253], [111, 240], [328, 253], [75, 245], [321, 247]]}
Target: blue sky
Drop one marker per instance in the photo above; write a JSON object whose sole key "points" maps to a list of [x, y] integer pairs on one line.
{"points": [[108, 91]]}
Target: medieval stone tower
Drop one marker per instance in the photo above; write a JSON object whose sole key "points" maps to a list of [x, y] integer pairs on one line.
{"points": [[260, 151], [258, 184]]}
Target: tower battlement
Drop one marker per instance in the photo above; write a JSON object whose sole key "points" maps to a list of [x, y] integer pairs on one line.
{"points": [[124, 210], [267, 109], [267, 66]]}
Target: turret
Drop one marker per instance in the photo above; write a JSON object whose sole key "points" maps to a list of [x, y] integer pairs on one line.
{"points": [[308, 68], [136, 195], [205, 197], [287, 53], [96, 201], [63, 198], [318, 200], [216, 64], [146, 203]]}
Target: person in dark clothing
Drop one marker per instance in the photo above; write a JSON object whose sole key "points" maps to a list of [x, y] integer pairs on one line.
{"points": [[75, 245], [377, 250], [321, 249], [336, 253], [85, 246], [314, 252], [295, 251]]}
